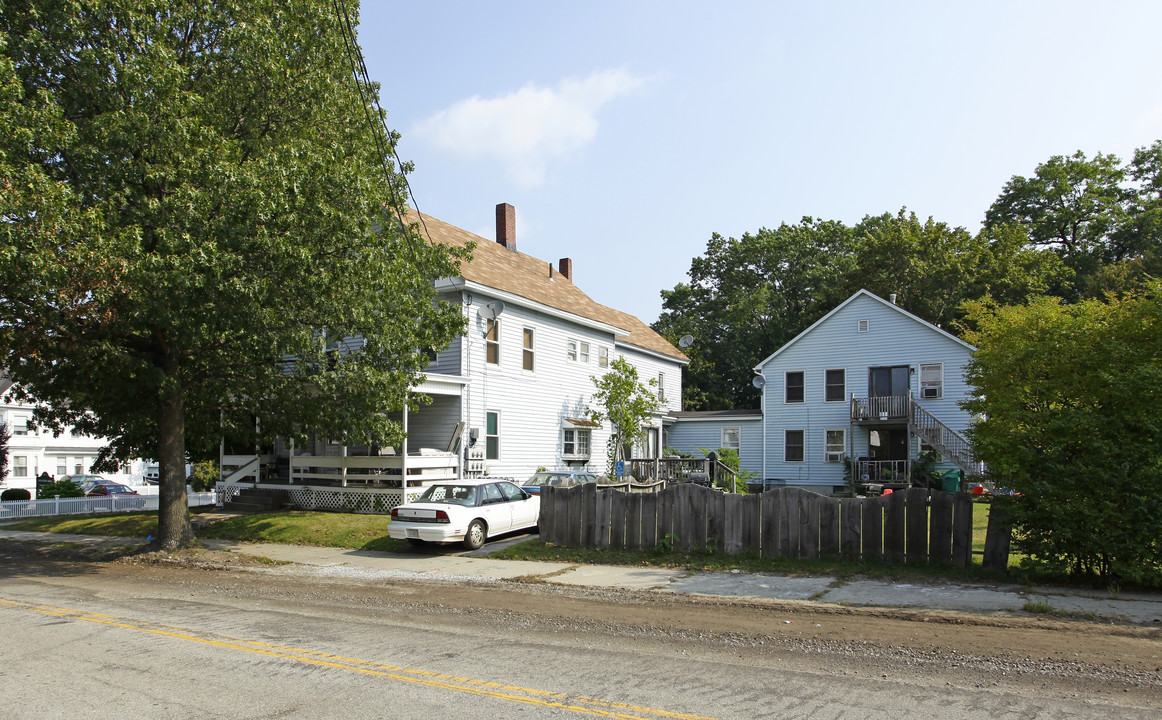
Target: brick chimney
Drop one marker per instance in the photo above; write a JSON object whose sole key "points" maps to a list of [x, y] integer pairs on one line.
{"points": [[566, 268], [506, 225]]}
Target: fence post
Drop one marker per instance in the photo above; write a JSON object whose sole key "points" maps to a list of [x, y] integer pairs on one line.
{"points": [[997, 537], [56, 505]]}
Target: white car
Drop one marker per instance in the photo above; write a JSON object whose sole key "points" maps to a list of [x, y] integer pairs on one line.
{"points": [[467, 511]]}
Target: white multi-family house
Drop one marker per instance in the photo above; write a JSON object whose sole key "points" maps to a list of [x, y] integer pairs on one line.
{"points": [[33, 451], [510, 395], [526, 363], [861, 394]]}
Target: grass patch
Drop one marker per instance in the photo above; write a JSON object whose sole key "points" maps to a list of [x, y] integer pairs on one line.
{"points": [[301, 527], [132, 524]]}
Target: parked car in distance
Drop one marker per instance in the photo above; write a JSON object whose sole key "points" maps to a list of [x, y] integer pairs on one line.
{"points": [[466, 511], [82, 480], [556, 478], [107, 490]]}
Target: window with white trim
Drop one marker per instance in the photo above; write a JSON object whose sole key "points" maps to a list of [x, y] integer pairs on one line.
{"points": [[835, 385], [602, 357], [62, 466], [931, 381], [19, 466], [730, 437], [583, 353], [834, 444], [661, 387], [793, 445], [492, 436], [577, 351], [19, 425], [575, 443], [863, 326], [492, 343], [794, 387], [527, 353]]}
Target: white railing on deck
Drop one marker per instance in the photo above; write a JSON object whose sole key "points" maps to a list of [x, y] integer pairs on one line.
{"points": [[21, 509]]}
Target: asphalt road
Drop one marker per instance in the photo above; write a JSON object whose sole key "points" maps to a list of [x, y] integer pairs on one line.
{"points": [[117, 641]]}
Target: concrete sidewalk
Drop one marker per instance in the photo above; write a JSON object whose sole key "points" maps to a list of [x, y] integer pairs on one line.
{"points": [[446, 563]]}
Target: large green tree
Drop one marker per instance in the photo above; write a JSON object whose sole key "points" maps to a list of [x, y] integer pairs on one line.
{"points": [[194, 209], [747, 297], [1070, 407]]}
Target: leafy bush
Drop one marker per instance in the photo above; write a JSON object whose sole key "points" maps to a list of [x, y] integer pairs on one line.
{"points": [[15, 494], [204, 476], [62, 488], [1070, 400]]}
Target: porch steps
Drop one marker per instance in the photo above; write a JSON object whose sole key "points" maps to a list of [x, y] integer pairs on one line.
{"points": [[255, 500]]}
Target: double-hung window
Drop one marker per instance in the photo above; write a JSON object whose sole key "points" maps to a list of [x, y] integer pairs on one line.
{"points": [[834, 442], [835, 385], [794, 386], [527, 353], [602, 357], [931, 381], [492, 343], [793, 445], [730, 437], [492, 436]]}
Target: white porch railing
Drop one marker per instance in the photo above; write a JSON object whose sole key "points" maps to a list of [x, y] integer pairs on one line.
{"points": [[21, 509], [372, 469]]}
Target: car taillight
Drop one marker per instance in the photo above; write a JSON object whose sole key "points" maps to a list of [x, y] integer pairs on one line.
{"points": [[394, 513], [442, 517]]}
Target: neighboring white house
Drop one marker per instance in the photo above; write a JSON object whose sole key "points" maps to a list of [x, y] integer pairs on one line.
{"points": [[513, 393], [32, 450]]}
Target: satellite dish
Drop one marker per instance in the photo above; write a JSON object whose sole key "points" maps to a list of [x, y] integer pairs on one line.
{"points": [[686, 341], [491, 310], [758, 382]]}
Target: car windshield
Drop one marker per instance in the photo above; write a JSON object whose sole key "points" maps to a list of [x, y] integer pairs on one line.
{"points": [[449, 494], [543, 478], [118, 489]]}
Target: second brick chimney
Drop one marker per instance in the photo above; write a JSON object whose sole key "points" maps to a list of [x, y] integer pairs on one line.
{"points": [[566, 267], [506, 225]]}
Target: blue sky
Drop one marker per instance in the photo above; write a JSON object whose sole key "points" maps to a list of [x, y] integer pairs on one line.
{"points": [[626, 133]]}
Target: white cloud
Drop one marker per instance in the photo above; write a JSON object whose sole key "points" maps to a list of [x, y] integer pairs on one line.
{"points": [[527, 129]]}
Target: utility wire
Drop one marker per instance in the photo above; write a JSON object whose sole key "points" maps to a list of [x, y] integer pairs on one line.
{"points": [[379, 129]]}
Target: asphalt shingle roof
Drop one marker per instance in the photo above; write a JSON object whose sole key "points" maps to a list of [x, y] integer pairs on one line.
{"points": [[512, 271]]}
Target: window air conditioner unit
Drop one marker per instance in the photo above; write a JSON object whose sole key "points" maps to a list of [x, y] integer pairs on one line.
{"points": [[833, 457], [930, 392]]}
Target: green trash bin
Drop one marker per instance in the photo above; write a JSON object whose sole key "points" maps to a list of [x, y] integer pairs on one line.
{"points": [[950, 481]]}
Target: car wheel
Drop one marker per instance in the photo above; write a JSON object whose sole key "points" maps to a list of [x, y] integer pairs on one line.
{"points": [[474, 538], [415, 542]]}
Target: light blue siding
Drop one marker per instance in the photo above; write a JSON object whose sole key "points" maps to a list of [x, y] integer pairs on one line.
{"points": [[692, 434], [892, 338]]}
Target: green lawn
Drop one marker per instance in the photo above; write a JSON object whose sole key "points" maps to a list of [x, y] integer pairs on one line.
{"points": [[359, 532]]}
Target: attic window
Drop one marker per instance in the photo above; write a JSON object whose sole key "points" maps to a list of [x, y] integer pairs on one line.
{"points": [[863, 325]]}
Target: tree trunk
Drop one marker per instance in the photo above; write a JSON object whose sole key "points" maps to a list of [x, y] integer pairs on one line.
{"points": [[173, 513]]}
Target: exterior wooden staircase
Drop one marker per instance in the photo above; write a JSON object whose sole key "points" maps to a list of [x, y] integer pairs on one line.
{"points": [[949, 443]]}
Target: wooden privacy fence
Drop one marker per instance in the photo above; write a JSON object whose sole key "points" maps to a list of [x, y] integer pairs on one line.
{"points": [[913, 526]]}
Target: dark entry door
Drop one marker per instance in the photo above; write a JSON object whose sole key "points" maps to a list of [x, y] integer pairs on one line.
{"points": [[888, 444]]}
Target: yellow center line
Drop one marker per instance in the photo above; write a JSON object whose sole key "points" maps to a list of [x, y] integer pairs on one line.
{"points": [[499, 691]]}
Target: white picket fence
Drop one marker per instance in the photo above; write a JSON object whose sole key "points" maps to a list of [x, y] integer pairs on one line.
{"points": [[22, 509]]}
